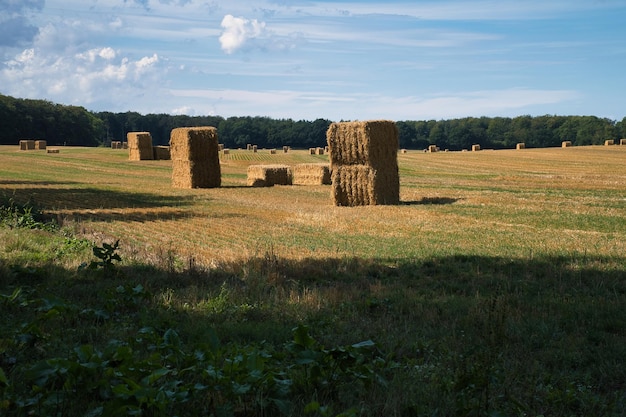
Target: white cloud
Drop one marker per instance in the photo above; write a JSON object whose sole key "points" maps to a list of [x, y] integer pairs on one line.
{"points": [[238, 31]]}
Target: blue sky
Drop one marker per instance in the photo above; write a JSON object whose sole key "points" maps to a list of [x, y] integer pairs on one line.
{"points": [[301, 59]]}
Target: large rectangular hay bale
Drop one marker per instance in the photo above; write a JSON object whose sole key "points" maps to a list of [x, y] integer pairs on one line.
{"points": [[23, 145], [609, 142], [520, 145], [622, 141], [475, 148], [161, 153], [362, 185], [566, 144], [195, 157], [139, 146], [311, 174], [432, 148], [269, 175], [373, 143], [40, 144]]}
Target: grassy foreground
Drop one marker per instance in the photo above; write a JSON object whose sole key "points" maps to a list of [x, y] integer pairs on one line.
{"points": [[497, 287]]}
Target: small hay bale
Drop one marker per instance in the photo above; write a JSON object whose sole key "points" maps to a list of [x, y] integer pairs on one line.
{"points": [[319, 151], [609, 142], [226, 151], [566, 144], [255, 148], [475, 148], [162, 153], [272, 151], [402, 150], [248, 147], [432, 148], [268, 175], [311, 174], [48, 150], [139, 146], [40, 144], [520, 145], [220, 146], [195, 158], [311, 151], [622, 141], [23, 145], [285, 149]]}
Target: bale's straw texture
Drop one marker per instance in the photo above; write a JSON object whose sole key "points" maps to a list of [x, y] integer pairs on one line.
{"points": [[311, 174], [364, 163], [566, 144], [139, 146], [475, 148], [609, 142], [361, 185], [40, 144], [162, 153], [195, 157], [269, 175], [520, 146], [373, 143]]}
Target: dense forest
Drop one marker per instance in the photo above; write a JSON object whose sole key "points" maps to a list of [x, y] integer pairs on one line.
{"points": [[72, 125]]}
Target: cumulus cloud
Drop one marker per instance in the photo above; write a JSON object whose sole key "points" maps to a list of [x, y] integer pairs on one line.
{"points": [[238, 31]]}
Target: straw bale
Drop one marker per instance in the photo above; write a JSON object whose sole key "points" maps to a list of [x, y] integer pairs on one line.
{"points": [[162, 153], [249, 147], [566, 144], [116, 144], [124, 145], [40, 144], [360, 185], [48, 150], [226, 151], [319, 151], [373, 143], [139, 146], [609, 142], [475, 148], [311, 174], [195, 157], [272, 151], [23, 145], [220, 146], [269, 175], [312, 151], [285, 149], [402, 150], [520, 145], [622, 141], [255, 148], [432, 148]]}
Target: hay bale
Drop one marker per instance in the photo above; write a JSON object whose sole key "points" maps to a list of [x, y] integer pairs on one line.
{"points": [[255, 148], [220, 146], [362, 185], [139, 146], [226, 151], [566, 144], [124, 145], [520, 145], [48, 150], [402, 150], [272, 151], [364, 162], [285, 149], [432, 148], [40, 144], [162, 153], [311, 174], [23, 145], [475, 148], [269, 175], [622, 141], [195, 157], [319, 151], [609, 142], [311, 151]]}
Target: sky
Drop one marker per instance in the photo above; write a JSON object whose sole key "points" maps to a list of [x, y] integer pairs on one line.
{"points": [[309, 59]]}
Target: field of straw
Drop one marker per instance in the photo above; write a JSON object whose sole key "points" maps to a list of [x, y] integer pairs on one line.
{"points": [[506, 203]]}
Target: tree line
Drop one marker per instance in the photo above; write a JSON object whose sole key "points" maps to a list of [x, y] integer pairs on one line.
{"points": [[73, 125]]}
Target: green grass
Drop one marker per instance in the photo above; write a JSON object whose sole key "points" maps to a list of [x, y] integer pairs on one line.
{"points": [[498, 293]]}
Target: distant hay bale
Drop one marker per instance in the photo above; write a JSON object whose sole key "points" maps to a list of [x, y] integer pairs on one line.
{"points": [[162, 153], [269, 175], [220, 146], [566, 144], [48, 150], [364, 162], [609, 142], [622, 141], [226, 151], [312, 151], [254, 148], [432, 148], [248, 147], [195, 158], [272, 151], [124, 145], [116, 144], [475, 148], [311, 174], [520, 145], [139, 146], [285, 149], [40, 144], [402, 150], [27, 144]]}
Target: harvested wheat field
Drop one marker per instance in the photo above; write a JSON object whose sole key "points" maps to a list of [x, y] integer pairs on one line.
{"points": [[497, 203]]}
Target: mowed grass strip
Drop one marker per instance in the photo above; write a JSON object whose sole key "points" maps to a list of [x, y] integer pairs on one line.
{"points": [[514, 202]]}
